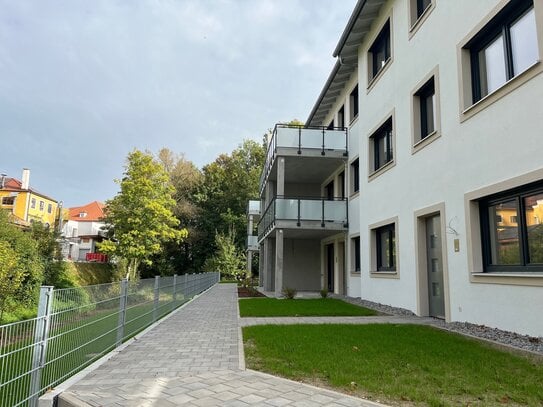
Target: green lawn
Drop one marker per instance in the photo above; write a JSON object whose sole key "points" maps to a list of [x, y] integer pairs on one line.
{"points": [[398, 364], [324, 307]]}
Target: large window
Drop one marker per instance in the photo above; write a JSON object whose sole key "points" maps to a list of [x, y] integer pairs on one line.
{"points": [[425, 99], [512, 230], [504, 48], [380, 51], [8, 200], [353, 102], [355, 175], [385, 244], [381, 145], [355, 242]]}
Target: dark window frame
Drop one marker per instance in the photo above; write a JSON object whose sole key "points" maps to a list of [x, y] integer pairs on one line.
{"points": [[355, 166], [8, 200], [421, 8], [341, 117], [499, 25], [356, 243], [353, 102], [382, 43], [389, 229], [428, 90], [518, 194], [385, 132]]}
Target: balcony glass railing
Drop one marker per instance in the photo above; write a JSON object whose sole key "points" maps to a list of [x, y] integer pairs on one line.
{"points": [[301, 139], [303, 209], [253, 208], [252, 242]]}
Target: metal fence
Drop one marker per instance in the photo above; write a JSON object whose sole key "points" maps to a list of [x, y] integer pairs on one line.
{"points": [[76, 326]]}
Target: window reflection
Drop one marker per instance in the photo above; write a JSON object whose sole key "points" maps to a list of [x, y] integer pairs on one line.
{"points": [[533, 210], [504, 236]]}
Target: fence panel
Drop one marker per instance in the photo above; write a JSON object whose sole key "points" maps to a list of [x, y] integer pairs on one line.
{"points": [[76, 326]]}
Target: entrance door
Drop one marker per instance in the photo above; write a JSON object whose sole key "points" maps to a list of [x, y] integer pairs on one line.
{"points": [[330, 266], [436, 299]]}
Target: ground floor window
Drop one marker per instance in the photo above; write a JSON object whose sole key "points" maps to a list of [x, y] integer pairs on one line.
{"points": [[385, 243], [355, 245], [512, 229]]}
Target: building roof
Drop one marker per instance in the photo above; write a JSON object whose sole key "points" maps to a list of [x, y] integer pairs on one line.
{"points": [[15, 185], [346, 52], [93, 211]]}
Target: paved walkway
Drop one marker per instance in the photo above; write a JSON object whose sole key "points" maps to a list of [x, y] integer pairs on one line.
{"points": [[194, 358]]}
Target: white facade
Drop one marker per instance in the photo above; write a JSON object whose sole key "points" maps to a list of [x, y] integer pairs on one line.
{"points": [[81, 238], [477, 151]]}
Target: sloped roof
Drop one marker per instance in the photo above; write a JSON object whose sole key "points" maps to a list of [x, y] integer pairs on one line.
{"points": [[15, 185], [94, 212]]}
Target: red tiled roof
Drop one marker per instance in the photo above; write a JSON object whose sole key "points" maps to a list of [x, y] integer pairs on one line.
{"points": [[14, 185], [94, 211]]}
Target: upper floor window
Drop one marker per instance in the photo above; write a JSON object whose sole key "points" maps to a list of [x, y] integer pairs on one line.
{"points": [[381, 145], [353, 102], [82, 214], [516, 245], [42, 206], [504, 48], [380, 51], [341, 117], [49, 208], [355, 175], [421, 7], [425, 100], [8, 200], [385, 243], [33, 203]]}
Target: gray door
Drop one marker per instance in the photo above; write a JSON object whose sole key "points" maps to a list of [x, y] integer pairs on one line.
{"points": [[436, 299]]}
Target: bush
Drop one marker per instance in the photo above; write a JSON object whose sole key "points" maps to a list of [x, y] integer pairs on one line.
{"points": [[289, 293], [324, 293]]}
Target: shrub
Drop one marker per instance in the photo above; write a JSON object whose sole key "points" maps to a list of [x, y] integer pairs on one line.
{"points": [[289, 293], [324, 293]]}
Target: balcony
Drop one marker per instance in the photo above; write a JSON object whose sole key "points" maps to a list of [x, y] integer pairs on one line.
{"points": [[252, 243], [318, 214], [311, 142], [253, 208]]}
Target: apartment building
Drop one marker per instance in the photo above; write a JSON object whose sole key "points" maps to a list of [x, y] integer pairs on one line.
{"points": [[418, 179]]}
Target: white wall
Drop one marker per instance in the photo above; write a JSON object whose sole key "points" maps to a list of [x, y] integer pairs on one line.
{"points": [[498, 143]]}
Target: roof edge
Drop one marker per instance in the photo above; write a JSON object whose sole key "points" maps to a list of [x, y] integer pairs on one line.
{"points": [[350, 24], [331, 77]]}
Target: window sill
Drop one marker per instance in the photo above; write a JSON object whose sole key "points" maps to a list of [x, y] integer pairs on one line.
{"points": [[381, 170], [354, 121], [385, 274], [430, 138], [375, 79], [523, 278], [355, 273], [418, 23], [502, 91]]}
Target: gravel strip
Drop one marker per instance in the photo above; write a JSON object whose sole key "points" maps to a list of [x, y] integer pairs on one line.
{"points": [[524, 342]]}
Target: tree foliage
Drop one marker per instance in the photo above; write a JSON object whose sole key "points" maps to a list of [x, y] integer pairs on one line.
{"points": [[228, 259], [140, 217]]}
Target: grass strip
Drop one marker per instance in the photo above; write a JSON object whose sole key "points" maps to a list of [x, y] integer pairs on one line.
{"points": [[397, 364], [324, 307]]}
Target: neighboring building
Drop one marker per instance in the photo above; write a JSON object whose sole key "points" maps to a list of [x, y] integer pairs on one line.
{"points": [[436, 204], [82, 231], [25, 204]]}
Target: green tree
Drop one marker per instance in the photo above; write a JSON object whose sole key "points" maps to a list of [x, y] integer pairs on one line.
{"points": [[11, 275], [228, 258], [140, 217]]}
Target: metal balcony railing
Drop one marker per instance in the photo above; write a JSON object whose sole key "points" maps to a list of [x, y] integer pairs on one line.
{"points": [[301, 210], [302, 138], [252, 243]]}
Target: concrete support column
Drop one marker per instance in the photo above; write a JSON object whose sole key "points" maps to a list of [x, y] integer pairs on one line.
{"points": [[266, 265], [280, 176], [261, 269], [278, 262], [249, 263]]}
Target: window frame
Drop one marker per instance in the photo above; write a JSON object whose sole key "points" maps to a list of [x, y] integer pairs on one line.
{"points": [[355, 175], [517, 194], [386, 132], [389, 229], [417, 130], [354, 106], [357, 264], [383, 41], [341, 114], [8, 200]]}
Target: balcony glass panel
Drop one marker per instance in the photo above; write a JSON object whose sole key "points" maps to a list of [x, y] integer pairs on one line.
{"points": [[310, 209], [252, 242], [312, 138], [287, 137], [254, 207], [335, 211], [286, 209], [335, 140]]}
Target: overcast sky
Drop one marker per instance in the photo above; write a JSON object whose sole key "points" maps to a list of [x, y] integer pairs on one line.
{"points": [[83, 82]]}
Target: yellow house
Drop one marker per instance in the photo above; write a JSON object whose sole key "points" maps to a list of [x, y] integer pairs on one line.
{"points": [[26, 204]]}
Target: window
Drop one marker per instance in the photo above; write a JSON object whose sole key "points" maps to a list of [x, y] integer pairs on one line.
{"points": [[341, 117], [8, 200], [381, 145], [355, 173], [33, 203], [421, 7], [379, 52], [425, 99], [353, 102], [355, 242], [517, 245], [330, 126], [82, 214], [341, 184], [42, 205], [385, 244], [49, 208], [504, 48]]}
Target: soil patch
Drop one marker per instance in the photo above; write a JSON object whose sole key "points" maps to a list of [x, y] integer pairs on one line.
{"points": [[244, 292]]}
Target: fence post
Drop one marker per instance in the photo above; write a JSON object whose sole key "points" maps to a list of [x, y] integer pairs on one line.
{"points": [[155, 302], [174, 293], [186, 286], [122, 312], [43, 324]]}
